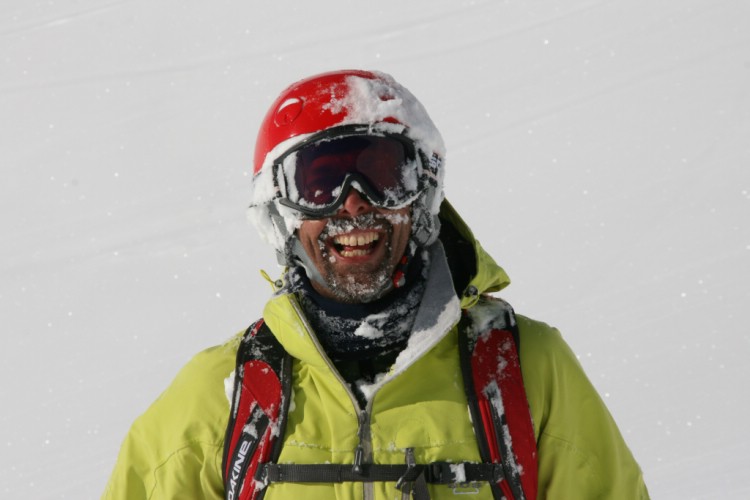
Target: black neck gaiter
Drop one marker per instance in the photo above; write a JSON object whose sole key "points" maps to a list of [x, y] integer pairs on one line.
{"points": [[364, 340]]}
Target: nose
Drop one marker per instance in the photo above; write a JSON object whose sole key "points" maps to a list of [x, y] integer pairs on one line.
{"points": [[354, 204]]}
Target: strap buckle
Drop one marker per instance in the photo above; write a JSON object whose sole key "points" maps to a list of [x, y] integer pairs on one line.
{"points": [[441, 473]]}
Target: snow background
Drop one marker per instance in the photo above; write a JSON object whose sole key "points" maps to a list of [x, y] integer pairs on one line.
{"points": [[599, 149]]}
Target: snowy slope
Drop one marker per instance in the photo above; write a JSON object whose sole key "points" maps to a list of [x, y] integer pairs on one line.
{"points": [[599, 149]]}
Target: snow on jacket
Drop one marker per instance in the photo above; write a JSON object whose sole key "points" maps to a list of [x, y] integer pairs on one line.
{"points": [[174, 450]]}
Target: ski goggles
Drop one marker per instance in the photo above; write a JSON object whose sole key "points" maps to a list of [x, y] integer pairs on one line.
{"points": [[315, 177]]}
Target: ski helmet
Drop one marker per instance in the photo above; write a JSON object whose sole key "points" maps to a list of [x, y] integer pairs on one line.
{"points": [[334, 105]]}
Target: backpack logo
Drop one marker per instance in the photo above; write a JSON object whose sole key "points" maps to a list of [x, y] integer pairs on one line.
{"points": [[237, 469]]}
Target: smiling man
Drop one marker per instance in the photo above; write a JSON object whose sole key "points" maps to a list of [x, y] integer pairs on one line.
{"points": [[382, 367]]}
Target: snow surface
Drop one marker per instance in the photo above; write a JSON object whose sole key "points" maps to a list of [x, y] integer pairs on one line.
{"points": [[599, 150]]}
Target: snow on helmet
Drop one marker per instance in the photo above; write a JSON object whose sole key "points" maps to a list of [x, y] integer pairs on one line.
{"points": [[332, 103]]}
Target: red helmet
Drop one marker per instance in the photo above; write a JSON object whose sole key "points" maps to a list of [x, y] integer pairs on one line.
{"points": [[304, 108], [333, 102]]}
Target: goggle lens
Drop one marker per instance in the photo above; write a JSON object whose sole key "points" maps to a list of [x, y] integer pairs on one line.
{"points": [[382, 166]]}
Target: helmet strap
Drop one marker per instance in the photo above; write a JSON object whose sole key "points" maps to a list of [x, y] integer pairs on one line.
{"points": [[399, 274], [425, 226], [297, 256]]}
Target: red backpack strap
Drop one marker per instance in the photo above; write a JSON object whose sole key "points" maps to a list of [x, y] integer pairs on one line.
{"points": [[260, 403], [497, 399]]}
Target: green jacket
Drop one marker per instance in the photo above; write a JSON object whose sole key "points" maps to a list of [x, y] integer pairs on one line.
{"points": [[174, 450]]}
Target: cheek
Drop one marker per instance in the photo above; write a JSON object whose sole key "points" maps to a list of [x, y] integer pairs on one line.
{"points": [[308, 234]]}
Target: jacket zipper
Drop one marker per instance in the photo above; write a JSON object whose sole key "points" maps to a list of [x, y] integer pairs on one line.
{"points": [[363, 452]]}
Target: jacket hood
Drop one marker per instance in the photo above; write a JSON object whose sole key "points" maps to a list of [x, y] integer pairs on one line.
{"points": [[474, 271]]}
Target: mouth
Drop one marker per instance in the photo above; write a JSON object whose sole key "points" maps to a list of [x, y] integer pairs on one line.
{"points": [[358, 244]]}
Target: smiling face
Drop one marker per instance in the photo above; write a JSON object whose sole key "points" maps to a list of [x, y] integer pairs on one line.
{"points": [[356, 251]]}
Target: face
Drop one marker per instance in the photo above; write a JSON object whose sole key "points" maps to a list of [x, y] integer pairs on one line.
{"points": [[357, 250]]}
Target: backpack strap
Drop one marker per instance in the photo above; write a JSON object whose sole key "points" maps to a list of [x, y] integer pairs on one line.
{"points": [[489, 346], [262, 385]]}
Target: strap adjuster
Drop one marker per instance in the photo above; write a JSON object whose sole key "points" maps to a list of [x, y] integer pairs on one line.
{"points": [[440, 473]]}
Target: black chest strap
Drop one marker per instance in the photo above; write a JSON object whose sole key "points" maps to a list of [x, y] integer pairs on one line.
{"points": [[407, 476]]}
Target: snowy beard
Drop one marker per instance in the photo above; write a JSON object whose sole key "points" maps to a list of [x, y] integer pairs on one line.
{"points": [[367, 285]]}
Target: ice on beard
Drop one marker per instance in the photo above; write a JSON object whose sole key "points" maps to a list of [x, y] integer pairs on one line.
{"points": [[336, 227]]}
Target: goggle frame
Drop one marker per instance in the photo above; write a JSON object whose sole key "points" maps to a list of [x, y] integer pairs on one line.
{"points": [[352, 179]]}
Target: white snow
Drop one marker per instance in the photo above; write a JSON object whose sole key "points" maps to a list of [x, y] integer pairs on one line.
{"points": [[599, 151], [368, 330], [229, 387], [459, 472], [492, 391], [371, 101], [420, 342]]}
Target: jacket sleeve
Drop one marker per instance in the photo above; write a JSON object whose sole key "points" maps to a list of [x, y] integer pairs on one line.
{"points": [[174, 450], [580, 449]]}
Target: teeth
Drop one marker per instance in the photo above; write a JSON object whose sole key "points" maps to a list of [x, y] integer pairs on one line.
{"points": [[354, 253], [358, 240]]}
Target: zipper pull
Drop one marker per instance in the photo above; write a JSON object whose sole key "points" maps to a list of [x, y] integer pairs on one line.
{"points": [[358, 456], [359, 453]]}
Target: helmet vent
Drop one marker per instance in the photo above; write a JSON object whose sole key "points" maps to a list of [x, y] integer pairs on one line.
{"points": [[288, 111]]}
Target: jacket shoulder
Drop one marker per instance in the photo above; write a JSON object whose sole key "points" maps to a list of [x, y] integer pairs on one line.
{"points": [[175, 447], [582, 453]]}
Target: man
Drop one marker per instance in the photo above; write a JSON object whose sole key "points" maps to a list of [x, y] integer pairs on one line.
{"points": [[384, 284]]}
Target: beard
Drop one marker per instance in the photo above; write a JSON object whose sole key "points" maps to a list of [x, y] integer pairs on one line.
{"points": [[358, 284], [359, 287]]}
